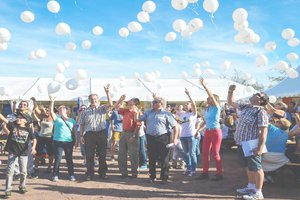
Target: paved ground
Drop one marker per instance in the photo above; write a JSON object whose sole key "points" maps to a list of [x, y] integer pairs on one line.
{"points": [[180, 187]]}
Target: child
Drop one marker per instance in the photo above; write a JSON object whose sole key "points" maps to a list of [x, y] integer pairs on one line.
{"points": [[19, 135]]}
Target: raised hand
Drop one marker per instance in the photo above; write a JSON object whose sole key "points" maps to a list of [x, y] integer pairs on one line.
{"points": [[106, 88], [33, 99], [202, 81], [123, 97], [187, 92], [52, 98], [232, 88]]}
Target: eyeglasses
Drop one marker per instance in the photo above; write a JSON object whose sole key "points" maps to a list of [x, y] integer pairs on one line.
{"points": [[258, 94]]}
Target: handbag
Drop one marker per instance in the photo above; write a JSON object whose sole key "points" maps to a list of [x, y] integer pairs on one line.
{"points": [[73, 135]]}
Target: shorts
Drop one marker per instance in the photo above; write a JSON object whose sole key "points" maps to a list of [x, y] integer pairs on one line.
{"points": [[41, 143], [253, 163], [116, 136]]}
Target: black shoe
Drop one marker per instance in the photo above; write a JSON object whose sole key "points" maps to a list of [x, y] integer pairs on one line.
{"points": [[203, 176], [103, 176], [32, 176], [89, 178], [217, 177], [124, 175]]}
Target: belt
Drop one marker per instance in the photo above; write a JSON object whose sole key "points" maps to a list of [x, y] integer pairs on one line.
{"points": [[211, 129]]}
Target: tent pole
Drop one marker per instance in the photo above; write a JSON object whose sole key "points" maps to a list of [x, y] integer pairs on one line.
{"points": [[31, 87]]}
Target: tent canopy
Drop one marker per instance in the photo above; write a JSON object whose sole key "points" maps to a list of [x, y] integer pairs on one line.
{"points": [[169, 89]]}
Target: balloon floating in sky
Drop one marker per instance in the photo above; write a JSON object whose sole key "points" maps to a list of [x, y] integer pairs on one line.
{"points": [[294, 42], [179, 4], [4, 35], [270, 46], [59, 77], [143, 17], [166, 59], [62, 29], [239, 15], [288, 33], [60, 68], [170, 36], [67, 63], [53, 87], [282, 65], [195, 24], [135, 27], [27, 16], [292, 56], [53, 6], [40, 53], [226, 65], [149, 7], [81, 74], [86, 44], [179, 25], [97, 30], [211, 6], [42, 88], [71, 46], [261, 60], [72, 84], [123, 32], [3, 46]]}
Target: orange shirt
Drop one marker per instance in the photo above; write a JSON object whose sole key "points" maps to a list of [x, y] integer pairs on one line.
{"points": [[129, 124]]}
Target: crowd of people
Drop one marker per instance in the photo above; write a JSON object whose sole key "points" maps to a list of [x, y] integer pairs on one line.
{"points": [[163, 134]]}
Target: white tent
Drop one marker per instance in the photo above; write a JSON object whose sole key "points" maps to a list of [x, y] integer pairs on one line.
{"points": [[287, 88], [170, 89]]}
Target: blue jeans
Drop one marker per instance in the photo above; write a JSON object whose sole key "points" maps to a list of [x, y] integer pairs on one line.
{"points": [[189, 148], [59, 147], [143, 154]]}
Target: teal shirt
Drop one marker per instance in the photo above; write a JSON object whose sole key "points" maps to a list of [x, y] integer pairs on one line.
{"points": [[212, 117], [61, 131]]}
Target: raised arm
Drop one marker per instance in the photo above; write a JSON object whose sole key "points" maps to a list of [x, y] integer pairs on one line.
{"points": [[271, 110], [106, 89], [297, 130], [209, 93], [14, 108], [194, 108], [51, 108], [2, 118], [119, 102], [230, 98]]}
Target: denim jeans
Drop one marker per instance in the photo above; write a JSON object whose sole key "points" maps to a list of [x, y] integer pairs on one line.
{"points": [[59, 147], [11, 164], [189, 148], [143, 153]]}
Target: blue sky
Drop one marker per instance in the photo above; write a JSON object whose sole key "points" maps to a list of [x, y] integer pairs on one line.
{"points": [[112, 56]]}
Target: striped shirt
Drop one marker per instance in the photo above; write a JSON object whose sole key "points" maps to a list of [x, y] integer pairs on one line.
{"points": [[93, 119], [250, 120]]}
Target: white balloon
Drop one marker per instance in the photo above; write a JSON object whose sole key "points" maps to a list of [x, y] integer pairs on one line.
{"points": [[136, 75], [62, 29], [149, 6], [270, 46], [251, 81], [86, 44], [186, 33], [27, 16], [170, 36], [197, 66], [282, 65], [239, 15], [206, 64], [40, 53], [226, 65], [81, 74], [3, 46], [72, 84], [97, 30], [166, 59], [209, 72], [71, 46], [255, 39], [116, 88], [32, 55], [179, 25], [53, 6], [147, 77], [60, 68], [292, 73], [159, 86], [250, 89], [67, 63], [195, 24], [261, 60], [157, 74], [197, 72], [184, 75], [42, 88], [59, 77], [143, 17], [246, 76], [288, 33], [294, 42], [179, 4], [210, 6], [4, 35], [272, 99], [241, 26], [53, 87], [123, 32], [135, 27], [292, 56]]}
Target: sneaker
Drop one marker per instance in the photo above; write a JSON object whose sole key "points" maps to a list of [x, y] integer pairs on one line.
{"points": [[32, 176], [22, 190], [217, 177], [253, 196], [203, 176], [152, 180], [186, 172], [245, 190], [143, 168], [7, 194], [192, 173], [72, 178], [55, 179]]}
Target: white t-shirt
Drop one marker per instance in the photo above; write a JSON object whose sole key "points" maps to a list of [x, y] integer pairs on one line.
{"points": [[188, 124]]}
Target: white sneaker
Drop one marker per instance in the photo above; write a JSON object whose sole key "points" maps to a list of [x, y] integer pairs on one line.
{"points": [[253, 196], [192, 173], [245, 190], [55, 178], [72, 178]]}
